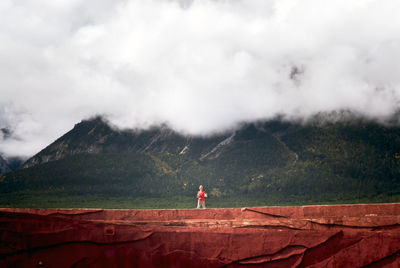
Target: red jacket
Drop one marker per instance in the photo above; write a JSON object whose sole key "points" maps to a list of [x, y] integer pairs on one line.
{"points": [[200, 195]]}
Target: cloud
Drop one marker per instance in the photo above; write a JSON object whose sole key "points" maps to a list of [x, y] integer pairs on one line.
{"points": [[199, 66]]}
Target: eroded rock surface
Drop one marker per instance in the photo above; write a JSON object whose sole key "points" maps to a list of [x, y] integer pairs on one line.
{"points": [[309, 236]]}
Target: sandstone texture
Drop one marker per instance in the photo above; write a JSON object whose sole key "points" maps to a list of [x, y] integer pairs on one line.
{"points": [[308, 236]]}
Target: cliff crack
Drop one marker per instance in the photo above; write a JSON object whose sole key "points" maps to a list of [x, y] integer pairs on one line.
{"points": [[34, 249], [264, 213], [326, 249], [384, 261]]}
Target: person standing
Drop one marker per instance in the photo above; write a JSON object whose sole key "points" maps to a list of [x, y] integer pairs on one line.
{"points": [[201, 195]]}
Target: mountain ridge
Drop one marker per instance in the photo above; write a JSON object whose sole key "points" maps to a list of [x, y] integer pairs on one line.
{"points": [[96, 136]]}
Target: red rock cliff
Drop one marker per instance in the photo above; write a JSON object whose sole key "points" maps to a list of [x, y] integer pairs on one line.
{"points": [[309, 236]]}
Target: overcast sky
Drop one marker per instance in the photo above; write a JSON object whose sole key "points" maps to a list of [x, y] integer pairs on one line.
{"points": [[199, 66]]}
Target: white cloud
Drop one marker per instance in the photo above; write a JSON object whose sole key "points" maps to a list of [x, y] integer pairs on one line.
{"points": [[200, 66]]}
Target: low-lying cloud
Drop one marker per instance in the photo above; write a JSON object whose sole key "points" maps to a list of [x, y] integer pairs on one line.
{"points": [[199, 66]]}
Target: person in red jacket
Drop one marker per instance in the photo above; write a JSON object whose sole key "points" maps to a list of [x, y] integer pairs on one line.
{"points": [[200, 197]]}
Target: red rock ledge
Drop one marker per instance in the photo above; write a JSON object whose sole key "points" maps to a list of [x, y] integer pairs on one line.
{"points": [[308, 236]]}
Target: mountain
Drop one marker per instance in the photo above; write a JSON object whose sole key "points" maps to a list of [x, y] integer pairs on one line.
{"points": [[274, 162], [4, 166], [10, 164], [96, 136]]}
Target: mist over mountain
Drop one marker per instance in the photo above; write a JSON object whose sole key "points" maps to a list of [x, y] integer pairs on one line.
{"points": [[7, 163], [200, 67]]}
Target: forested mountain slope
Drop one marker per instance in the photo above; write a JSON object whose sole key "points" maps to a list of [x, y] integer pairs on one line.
{"points": [[273, 161]]}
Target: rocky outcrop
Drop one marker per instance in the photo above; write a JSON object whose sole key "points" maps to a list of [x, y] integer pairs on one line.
{"points": [[309, 236]]}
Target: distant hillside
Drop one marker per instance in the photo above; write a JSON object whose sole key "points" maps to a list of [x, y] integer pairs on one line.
{"points": [[10, 164], [273, 161], [4, 166]]}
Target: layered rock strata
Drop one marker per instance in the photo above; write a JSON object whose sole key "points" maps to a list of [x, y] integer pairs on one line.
{"points": [[308, 236]]}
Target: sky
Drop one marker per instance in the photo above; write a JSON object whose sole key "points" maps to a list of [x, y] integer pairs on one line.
{"points": [[201, 66]]}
